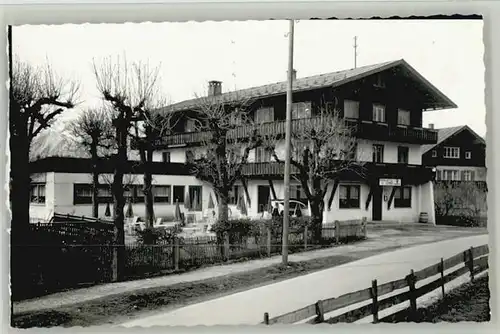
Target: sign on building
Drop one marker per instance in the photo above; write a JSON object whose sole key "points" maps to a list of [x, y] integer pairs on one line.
{"points": [[390, 182]]}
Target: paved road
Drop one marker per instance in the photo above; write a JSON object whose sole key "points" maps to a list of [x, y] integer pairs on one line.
{"points": [[248, 307]]}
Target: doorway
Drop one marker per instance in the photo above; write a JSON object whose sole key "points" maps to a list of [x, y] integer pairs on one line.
{"points": [[263, 193], [376, 202]]}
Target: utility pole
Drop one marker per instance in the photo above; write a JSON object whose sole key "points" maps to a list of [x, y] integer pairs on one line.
{"points": [[288, 140], [355, 51]]}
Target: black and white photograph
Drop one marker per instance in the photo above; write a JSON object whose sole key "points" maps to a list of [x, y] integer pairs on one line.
{"points": [[248, 173]]}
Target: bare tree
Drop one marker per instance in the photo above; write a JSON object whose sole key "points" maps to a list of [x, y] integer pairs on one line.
{"points": [[153, 125], [446, 197], [228, 138], [93, 131], [37, 98], [129, 88], [323, 149]]}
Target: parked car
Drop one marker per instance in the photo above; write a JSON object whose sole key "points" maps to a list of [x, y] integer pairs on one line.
{"points": [[293, 207]]}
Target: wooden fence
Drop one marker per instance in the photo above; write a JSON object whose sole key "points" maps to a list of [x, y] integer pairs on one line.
{"points": [[474, 260]]}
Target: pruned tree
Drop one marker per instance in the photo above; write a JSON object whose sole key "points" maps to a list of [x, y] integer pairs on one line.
{"points": [[228, 137], [153, 125], [37, 98], [94, 132], [323, 148], [128, 88]]}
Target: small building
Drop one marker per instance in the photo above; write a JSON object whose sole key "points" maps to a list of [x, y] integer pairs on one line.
{"points": [[458, 155]]}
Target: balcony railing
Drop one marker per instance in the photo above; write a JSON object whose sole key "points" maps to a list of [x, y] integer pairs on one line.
{"points": [[415, 174], [361, 129]]}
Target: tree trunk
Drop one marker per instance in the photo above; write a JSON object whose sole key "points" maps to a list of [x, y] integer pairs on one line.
{"points": [[223, 205], [148, 199], [119, 202], [317, 207], [95, 182], [223, 216], [148, 185]]}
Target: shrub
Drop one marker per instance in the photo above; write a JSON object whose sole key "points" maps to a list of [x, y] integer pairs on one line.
{"points": [[152, 236]]}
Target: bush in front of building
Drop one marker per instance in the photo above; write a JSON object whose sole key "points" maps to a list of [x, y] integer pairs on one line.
{"points": [[154, 236]]}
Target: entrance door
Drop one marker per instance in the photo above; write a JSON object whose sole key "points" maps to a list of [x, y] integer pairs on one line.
{"points": [[377, 202], [262, 197]]}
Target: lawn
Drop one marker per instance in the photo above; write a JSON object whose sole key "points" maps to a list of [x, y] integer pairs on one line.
{"points": [[469, 302]]}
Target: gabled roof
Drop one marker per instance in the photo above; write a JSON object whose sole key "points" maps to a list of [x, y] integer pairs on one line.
{"points": [[445, 133], [333, 79]]}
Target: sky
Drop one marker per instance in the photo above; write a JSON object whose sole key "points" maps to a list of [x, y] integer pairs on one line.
{"points": [[449, 53]]}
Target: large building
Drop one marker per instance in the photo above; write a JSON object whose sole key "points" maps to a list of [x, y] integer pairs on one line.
{"points": [[383, 102]]}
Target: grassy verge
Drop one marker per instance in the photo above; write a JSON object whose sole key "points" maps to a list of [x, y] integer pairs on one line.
{"points": [[119, 308], [469, 302]]}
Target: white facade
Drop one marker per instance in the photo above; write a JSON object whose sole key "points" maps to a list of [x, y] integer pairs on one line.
{"points": [[60, 198]]}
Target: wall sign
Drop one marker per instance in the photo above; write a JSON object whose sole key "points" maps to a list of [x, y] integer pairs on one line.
{"points": [[390, 182]]}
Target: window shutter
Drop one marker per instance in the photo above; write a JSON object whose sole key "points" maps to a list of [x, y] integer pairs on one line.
{"points": [[472, 175], [462, 175]]}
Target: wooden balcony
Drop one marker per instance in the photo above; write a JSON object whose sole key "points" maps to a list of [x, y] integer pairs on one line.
{"points": [[362, 129], [370, 172]]}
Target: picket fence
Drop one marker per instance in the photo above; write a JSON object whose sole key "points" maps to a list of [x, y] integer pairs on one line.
{"points": [[475, 261]]}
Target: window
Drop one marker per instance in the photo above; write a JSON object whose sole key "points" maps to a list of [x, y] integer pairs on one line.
{"points": [[190, 125], [403, 117], [403, 153], [233, 195], [351, 109], [434, 153], [348, 197], [452, 152], [450, 175], [262, 154], [301, 110], [468, 155], [37, 193], [378, 153], [178, 194], [378, 113], [263, 115], [402, 197], [165, 156], [161, 194], [82, 194], [104, 194], [467, 175]]}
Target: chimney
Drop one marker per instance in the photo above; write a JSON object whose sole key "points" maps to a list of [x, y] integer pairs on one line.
{"points": [[294, 75], [214, 88], [431, 125]]}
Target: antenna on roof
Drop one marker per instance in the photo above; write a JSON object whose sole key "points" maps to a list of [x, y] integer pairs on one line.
{"points": [[355, 51]]}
